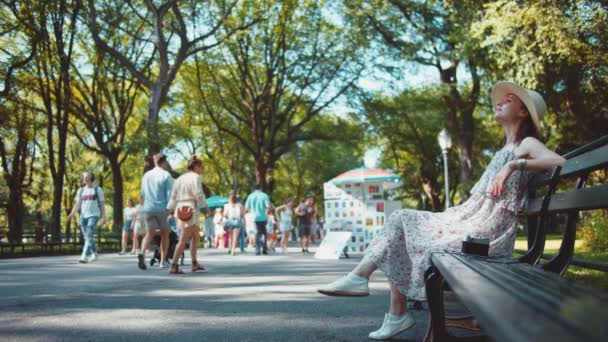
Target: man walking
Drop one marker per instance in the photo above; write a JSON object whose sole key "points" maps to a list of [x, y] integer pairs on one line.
{"points": [[257, 203], [156, 188], [90, 205]]}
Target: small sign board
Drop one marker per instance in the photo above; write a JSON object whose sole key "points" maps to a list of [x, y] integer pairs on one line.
{"points": [[332, 245]]}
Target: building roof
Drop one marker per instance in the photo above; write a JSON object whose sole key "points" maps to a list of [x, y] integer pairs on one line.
{"points": [[364, 174]]}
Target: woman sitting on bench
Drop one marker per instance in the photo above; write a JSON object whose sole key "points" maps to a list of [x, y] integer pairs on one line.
{"points": [[402, 249]]}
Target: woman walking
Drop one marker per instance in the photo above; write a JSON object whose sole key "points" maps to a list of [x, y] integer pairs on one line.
{"points": [[219, 223], [187, 197], [129, 213], [234, 215], [402, 250], [284, 214]]}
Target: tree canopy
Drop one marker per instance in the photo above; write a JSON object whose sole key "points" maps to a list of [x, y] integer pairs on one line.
{"points": [[276, 93]]}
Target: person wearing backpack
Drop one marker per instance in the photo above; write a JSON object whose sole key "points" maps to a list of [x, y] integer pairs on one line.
{"points": [[90, 206]]}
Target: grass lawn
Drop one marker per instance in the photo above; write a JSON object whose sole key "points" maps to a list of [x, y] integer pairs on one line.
{"points": [[597, 279]]}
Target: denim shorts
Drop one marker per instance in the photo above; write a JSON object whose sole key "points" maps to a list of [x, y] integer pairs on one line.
{"points": [[127, 226]]}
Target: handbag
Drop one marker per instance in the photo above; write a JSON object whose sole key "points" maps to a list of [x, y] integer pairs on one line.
{"points": [[184, 213]]}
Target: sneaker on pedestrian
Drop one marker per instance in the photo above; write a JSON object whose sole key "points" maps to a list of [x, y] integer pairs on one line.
{"points": [[141, 262], [122, 253], [133, 252], [93, 257], [351, 285], [83, 260], [164, 264], [392, 326]]}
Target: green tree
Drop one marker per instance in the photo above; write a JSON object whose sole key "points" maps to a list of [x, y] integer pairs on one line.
{"points": [[105, 103], [167, 34], [433, 34], [264, 86], [309, 164], [559, 48], [53, 62], [408, 125], [18, 140]]}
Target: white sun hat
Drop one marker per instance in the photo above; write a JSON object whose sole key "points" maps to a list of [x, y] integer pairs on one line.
{"points": [[533, 100]]}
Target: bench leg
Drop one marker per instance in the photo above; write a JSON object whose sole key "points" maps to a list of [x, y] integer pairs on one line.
{"points": [[434, 294], [437, 331]]}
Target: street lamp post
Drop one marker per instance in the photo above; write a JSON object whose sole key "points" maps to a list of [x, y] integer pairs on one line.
{"points": [[445, 142]]}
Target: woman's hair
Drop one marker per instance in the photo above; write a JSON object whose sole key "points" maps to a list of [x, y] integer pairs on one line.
{"points": [[526, 129], [232, 197], [288, 200], [194, 162]]}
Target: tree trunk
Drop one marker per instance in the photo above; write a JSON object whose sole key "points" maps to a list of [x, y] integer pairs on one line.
{"points": [[264, 175], [55, 224], [15, 212], [152, 122], [117, 183]]}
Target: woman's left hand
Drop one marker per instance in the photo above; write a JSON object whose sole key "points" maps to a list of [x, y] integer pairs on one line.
{"points": [[498, 187]]}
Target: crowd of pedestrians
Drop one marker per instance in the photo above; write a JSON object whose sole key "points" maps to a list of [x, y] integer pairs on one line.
{"points": [[168, 207]]}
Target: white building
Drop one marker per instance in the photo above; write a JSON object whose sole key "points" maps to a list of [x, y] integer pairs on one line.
{"points": [[360, 200]]}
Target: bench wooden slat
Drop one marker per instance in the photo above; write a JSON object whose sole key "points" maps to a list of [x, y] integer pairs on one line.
{"points": [[581, 199], [596, 159], [515, 302]]}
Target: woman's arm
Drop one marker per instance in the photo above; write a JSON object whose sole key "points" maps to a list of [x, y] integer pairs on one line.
{"points": [[536, 157], [278, 210]]}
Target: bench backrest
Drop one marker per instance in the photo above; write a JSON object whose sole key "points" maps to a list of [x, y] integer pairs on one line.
{"points": [[541, 211]]}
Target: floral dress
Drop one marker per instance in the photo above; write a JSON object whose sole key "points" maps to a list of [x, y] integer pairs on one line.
{"points": [[403, 248]]}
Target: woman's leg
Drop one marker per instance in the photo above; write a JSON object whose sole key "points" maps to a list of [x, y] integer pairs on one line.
{"points": [[365, 268], [194, 245], [286, 236], [235, 237], [135, 241], [125, 237], [398, 304], [181, 244]]}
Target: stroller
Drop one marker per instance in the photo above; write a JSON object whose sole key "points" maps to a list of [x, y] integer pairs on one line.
{"points": [[173, 238]]}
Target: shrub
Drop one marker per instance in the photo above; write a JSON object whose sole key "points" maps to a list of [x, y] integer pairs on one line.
{"points": [[594, 231]]}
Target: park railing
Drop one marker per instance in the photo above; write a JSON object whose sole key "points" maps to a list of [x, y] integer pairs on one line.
{"points": [[109, 243]]}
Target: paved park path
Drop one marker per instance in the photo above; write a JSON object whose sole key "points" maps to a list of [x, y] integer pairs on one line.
{"points": [[241, 298]]}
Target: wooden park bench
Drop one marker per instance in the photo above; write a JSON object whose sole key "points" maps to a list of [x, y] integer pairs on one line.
{"points": [[521, 299]]}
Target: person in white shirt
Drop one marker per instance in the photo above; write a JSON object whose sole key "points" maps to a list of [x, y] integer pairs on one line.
{"points": [[219, 222], [234, 214], [90, 205], [250, 228], [188, 196], [127, 228]]}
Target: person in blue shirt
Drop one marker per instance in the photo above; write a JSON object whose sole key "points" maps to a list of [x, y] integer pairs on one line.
{"points": [[156, 186], [257, 203]]}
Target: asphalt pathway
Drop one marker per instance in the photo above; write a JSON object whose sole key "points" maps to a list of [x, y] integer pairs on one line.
{"points": [[241, 298]]}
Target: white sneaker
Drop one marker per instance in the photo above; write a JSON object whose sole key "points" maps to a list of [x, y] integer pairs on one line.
{"points": [[93, 257], [163, 264], [346, 286], [83, 260], [392, 328]]}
